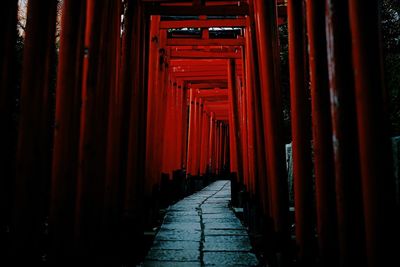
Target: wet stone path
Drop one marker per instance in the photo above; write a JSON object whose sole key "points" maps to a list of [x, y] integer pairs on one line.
{"points": [[201, 230]]}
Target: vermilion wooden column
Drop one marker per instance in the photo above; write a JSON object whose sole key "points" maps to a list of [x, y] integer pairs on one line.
{"points": [[8, 59], [260, 184], [168, 148], [66, 136], [221, 147], [204, 143], [265, 17], [155, 93], [114, 168], [345, 147], [34, 132], [99, 82], [133, 194], [249, 83], [301, 132], [217, 148], [242, 123], [177, 133], [185, 115], [214, 147], [191, 134], [226, 148], [179, 120], [235, 119], [161, 109], [381, 227], [199, 135], [210, 158], [322, 134], [195, 134]]}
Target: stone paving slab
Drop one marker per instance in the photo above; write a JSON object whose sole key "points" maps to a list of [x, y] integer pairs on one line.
{"points": [[174, 255], [201, 230], [227, 243], [222, 232], [170, 264], [177, 244], [180, 235], [230, 259]]}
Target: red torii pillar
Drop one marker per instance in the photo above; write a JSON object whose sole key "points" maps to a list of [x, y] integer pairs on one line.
{"points": [[184, 129], [8, 59], [115, 146], [99, 82], [266, 26], [301, 132], [157, 93], [210, 157], [217, 148], [234, 122], [380, 215], [191, 133], [199, 134], [170, 132], [34, 132], [66, 136], [244, 129], [139, 47], [205, 139], [344, 129], [322, 134], [256, 144], [261, 191]]}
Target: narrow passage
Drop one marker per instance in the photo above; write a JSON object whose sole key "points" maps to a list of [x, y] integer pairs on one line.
{"points": [[201, 230]]}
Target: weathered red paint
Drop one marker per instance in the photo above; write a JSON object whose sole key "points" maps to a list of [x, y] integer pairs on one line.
{"points": [[66, 133], [344, 133], [301, 132], [33, 154], [373, 139], [322, 134], [265, 18]]}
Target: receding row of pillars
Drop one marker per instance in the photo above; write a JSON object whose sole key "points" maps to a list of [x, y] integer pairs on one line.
{"points": [[108, 131], [71, 171]]}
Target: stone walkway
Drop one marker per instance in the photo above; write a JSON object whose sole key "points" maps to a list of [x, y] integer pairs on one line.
{"points": [[201, 230]]}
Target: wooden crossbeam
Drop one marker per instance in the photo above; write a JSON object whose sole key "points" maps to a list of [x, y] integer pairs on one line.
{"points": [[241, 10], [204, 42], [221, 85], [200, 73], [205, 78], [204, 54], [175, 24]]}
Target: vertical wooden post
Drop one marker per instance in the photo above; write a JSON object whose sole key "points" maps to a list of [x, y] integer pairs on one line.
{"points": [[191, 128], [199, 135], [136, 91], [265, 17], [301, 132], [344, 129], [185, 126], [8, 86], [261, 186], [66, 135], [322, 133], [115, 146], [98, 84], [34, 132], [381, 227], [210, 159]]}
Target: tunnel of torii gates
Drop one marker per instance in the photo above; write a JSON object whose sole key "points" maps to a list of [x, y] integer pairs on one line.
{"points": [[142, 109]]}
